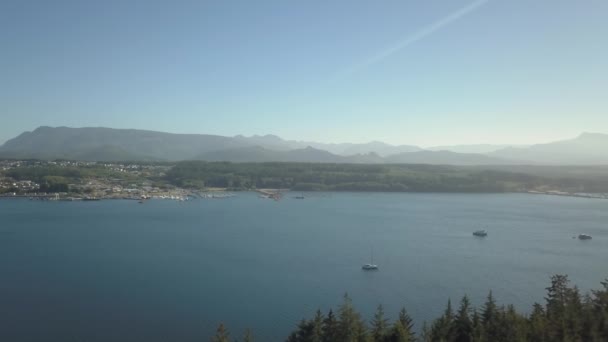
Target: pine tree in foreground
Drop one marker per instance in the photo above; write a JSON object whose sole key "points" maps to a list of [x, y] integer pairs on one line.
{"points": [[248, 336], [221, 335], [379, 325], [566, 316]]}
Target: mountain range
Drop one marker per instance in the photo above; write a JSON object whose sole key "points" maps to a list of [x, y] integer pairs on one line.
{"points": [[108, 144]]}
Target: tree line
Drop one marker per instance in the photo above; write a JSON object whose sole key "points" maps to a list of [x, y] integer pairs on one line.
{"points": [[346, 177], [328, 177], [566, 315]]}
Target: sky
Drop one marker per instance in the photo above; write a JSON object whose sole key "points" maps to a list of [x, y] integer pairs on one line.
{"points": [[423, 72]]}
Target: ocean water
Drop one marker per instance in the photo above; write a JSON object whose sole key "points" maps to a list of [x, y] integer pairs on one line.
{"points": [[172, 271]]}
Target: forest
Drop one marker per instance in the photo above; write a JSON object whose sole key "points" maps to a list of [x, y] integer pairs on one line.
{"points": [[366, 177], [343, 177], [566, 315], [201, 175]]}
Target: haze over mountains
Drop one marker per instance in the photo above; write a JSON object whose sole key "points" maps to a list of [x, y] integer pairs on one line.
{"points": [[107, 144]]}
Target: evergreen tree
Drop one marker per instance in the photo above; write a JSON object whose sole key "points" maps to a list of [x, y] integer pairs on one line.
{"points": [[461, 329], [248, 336], [537, 323], [221, 335], [556, 298], [361, 333], [600, 312], [573, 315], [294, 336], [567, 316], [306, 330], [350, 326], [403, 329], [477, 326], [398, 334], [513, 325], [408, 324], [317, 328], [588, 332], [489, 319], [425, 333], [449, 313], [303, 333], [379, 325], [440, 330], [330, 328]]}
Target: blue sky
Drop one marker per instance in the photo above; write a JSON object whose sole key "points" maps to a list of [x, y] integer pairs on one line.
{"points": [[426, 72]]}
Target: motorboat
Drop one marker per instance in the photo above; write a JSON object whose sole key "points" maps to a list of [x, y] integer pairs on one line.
{"points": [[584, 237], [369, 267], [482, 233]]}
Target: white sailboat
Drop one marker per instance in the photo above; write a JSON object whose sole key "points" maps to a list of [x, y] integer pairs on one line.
{"points": [[371, 266]]}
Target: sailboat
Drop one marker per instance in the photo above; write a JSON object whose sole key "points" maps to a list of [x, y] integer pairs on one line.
{"points": [[371, 266]]}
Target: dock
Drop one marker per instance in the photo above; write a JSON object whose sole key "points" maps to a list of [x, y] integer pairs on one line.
{"points": [[274, 194]]}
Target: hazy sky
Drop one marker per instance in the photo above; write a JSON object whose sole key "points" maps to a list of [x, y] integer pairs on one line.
{"points": [[424, 72]]}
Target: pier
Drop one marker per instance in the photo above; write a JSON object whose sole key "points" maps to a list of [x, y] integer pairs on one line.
{"points": [[274, 194], [48, 197]]}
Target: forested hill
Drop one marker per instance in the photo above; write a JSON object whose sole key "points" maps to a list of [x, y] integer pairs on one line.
{"points": [[411, 177], [108, 144]]}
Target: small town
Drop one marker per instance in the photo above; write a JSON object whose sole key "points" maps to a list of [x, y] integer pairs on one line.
{"points": [[102, 181], [92, 181]]}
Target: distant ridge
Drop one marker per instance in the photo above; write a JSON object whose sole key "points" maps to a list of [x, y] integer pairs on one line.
{"points": [[474, 148], [446, 157], [260, 154], [586, 149], [108, 144], [104, 144], [344, 149]]}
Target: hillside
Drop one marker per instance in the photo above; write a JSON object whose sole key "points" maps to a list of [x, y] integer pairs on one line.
{"points": [[586, 149], [260, 154], [445, 157], [107, 144]]}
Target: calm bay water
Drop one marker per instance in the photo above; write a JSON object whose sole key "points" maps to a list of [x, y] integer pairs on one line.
{"points": [[171, 271]]}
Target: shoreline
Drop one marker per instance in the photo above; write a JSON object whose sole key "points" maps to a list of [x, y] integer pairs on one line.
{"points": [[205, 194]]}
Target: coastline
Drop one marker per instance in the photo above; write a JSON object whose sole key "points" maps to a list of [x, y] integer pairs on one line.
{"points": [[225, 192]]}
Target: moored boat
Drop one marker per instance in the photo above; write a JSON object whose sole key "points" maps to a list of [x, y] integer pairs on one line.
{"points": [[371, 266], [482, 232], [584, 237]]}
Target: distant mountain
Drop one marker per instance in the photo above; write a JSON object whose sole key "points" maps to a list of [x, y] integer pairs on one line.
{"points": [[445, 157], [586, 149], [379, 148], [269, 141], [313, 155], [273, 142], [107, 144], [260, 154], [365, 158], [474, 148]]}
